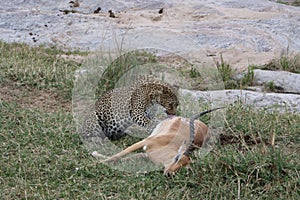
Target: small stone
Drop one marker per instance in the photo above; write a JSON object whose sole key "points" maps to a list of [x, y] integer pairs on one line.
{"points": [[111, 14], [97, 10]]}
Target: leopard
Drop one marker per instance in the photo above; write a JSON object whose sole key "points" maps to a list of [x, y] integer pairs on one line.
{"points": [[116, 110]]}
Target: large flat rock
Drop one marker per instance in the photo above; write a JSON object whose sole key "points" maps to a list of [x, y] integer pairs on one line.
{"points": [[245, 32], [270, 101], [285, 82]]}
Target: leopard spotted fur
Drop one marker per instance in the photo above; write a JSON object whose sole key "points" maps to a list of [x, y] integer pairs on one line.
{"points": [[121, 107]]}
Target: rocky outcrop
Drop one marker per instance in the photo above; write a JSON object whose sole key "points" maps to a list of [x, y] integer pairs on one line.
{"points": [[281, 81], [270, 101], [286, 98], [245, 32]]}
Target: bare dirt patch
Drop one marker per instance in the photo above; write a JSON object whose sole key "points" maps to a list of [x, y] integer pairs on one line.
{"points": [[32, 98]]}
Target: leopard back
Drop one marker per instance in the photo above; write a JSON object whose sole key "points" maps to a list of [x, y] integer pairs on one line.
{"points": [[121, 107]]}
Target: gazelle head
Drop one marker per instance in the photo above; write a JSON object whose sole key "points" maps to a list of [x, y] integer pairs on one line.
{"points": [[180, 160], [197, 138]]}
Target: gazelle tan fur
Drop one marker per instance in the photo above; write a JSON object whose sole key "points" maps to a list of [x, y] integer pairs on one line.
{"points": [[169, 144]]}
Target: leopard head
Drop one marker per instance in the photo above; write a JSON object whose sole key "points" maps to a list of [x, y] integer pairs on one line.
{"points": [[170, 103], [166, 96]]}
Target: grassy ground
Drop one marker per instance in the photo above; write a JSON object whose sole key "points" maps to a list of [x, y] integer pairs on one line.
{"points": [[289, 2], [42, 157]]}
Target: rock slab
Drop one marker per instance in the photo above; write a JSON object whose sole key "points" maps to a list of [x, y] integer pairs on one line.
{"points": [[285, 82], [244, 32], [269, 101]]}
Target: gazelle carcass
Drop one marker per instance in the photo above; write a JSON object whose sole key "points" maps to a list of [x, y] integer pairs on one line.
{"points": [[171, 142]]}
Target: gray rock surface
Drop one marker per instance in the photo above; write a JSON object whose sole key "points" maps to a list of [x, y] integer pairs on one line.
{"points": [[285, 82], [270, 101], [245, 32]]}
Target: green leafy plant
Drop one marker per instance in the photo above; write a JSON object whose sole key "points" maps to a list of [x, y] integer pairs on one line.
{"points": [[248, 77], [226, 73], [271, 86], [194, 73]]}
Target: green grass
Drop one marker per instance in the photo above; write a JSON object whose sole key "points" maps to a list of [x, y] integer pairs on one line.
{"points": [[120, 66], [39, 67], [228, 73], [194, 73], [42, 156], [271, 86], [292, 3], [286, 62]]}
